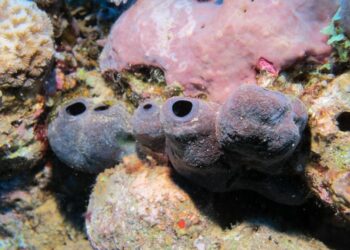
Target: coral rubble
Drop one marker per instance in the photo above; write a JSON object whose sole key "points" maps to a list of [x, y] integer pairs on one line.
{"points": [[91, 136], [212, 48], [208, 160]]}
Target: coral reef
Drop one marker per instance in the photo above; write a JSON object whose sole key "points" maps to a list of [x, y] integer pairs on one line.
{"points": [[26, 49], [215, 54], [206, 176], [22, 130], [26, 44], [91, 136], [136, 206], [329, 170]]}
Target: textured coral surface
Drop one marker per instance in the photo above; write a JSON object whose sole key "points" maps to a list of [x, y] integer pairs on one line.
{"points": [[211, 47], [26, 46]]}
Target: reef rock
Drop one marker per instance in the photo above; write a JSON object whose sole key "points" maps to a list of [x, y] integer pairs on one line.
{"points": [[212, 47], [134, 206], [329, 170], [39, 209], [26, 44], [22, 140], [91, 136], [26, 49]]}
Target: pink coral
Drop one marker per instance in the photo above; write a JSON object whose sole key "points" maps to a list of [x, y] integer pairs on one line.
{"points": [[214, 47]]}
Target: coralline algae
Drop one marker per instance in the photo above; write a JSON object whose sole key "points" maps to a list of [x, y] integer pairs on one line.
{"points": [[91, 137], [213, 48]]}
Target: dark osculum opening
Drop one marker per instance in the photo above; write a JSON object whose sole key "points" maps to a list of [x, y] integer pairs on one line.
{"points": [[76, 109], [147, 106], [182, 108], [343, 120], [102, 108]]}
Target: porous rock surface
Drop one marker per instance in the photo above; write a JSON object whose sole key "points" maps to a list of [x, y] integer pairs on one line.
{"points": [[26, 49], [329, 170], [22, 140]]}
